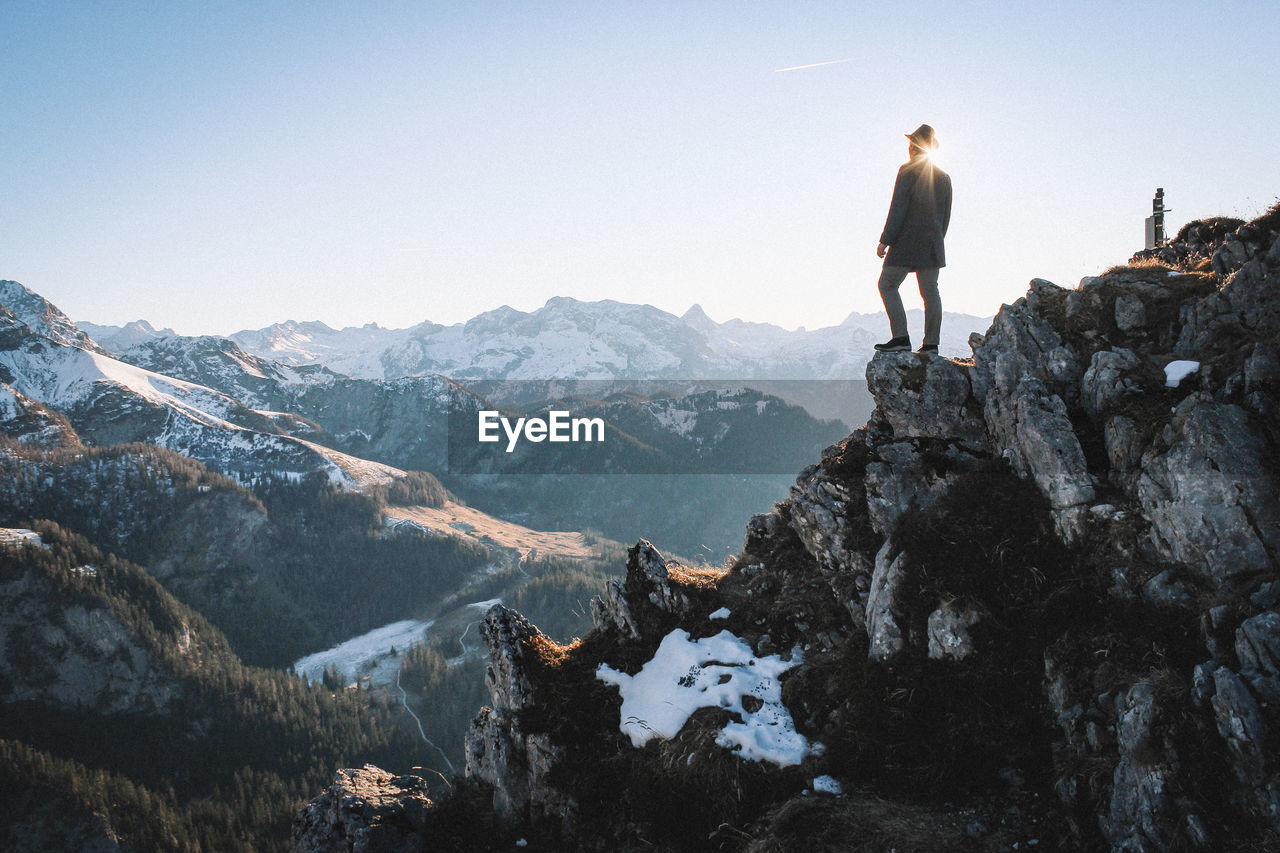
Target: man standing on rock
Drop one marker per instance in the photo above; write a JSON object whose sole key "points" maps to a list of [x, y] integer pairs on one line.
{"points": [[912, 241]]}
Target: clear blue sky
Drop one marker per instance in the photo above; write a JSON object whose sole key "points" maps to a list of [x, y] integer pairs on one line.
{"points": [[214, 166]]}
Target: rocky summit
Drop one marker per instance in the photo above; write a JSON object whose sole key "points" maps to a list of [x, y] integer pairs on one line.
{"points": [[1032, 603]]}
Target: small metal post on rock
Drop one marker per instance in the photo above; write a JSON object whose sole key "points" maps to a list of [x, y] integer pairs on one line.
{"points": [[1155, 222]]}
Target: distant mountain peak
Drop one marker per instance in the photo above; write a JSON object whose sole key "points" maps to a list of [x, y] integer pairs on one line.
{"points": [[120, 338], [696, 318], [43, 317]]}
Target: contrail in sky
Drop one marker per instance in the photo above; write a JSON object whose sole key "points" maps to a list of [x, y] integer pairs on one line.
{"points": [[813, 65]]}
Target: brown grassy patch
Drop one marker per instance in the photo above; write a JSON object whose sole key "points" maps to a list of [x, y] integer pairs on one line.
{"points": [[1269, 221], [1140, 271], [696, 577], [549, 652]]}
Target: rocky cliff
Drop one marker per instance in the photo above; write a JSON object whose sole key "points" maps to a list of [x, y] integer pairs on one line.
{"points": [[1033, 601]]}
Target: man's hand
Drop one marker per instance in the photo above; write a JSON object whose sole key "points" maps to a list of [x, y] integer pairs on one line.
{"points": [[881, 250]]}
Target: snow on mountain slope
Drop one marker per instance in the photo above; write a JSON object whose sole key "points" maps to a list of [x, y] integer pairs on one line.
{"points": [[28, 422], [364, 653], [220, 363], [64, 377], [110, 402], [42, 316], [353, 351], [568, 338]]}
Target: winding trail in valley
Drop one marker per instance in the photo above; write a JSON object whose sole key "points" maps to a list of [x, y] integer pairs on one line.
{"points": [[463, 636], [404, 700]]}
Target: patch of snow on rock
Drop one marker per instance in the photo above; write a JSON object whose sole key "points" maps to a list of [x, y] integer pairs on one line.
{"points": [[1176, 371], [827, 785], [721, 671]]}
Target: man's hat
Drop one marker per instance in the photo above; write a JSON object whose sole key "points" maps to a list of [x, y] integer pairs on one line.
{"points": [[923, 137]]}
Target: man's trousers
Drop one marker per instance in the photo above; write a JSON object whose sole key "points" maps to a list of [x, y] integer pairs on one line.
{"points": [[890, 279]]}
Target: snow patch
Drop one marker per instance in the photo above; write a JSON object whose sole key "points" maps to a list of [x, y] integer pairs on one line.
{"points": [[722, 613], [673, 419], [721, 671], [16, 537], [1176, 371], [827, 785], [364, 653]]}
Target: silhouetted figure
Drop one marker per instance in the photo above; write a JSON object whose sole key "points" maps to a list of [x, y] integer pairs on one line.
{"points": [[912, 241]]}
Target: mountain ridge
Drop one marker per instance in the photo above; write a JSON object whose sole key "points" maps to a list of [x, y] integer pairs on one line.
{"points": [[505, 343], [1034, 600]]}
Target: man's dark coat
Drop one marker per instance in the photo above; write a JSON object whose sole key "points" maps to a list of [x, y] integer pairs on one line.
{"points": [[918, 216]]}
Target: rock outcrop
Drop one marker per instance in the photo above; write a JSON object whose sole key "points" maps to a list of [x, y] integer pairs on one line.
{"points": [[1035, 600], [73, 651], [367, 810], [501, 753], [632, 606]]}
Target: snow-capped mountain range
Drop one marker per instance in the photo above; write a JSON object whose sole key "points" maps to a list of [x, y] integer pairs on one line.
{"points": [[247, 415], [571, 339], [46, 359]]}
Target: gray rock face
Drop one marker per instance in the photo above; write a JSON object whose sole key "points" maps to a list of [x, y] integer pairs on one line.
{"points": [[1245, 305], [1142, 811], [367, 810], [1131, 313], [948, 628], [74, 656], [1107, 381], [821, 512], [916, 473], [1258, 650], [1262, 379], [624, 606], [515, 763], [1031, 430], [1243, 728], [883, 624], [926, 397], [1027, 421], [1210, 495]]}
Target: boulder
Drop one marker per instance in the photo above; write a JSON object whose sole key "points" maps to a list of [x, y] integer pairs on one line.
{"points": [[948, 628], [1108, 380], [926, 397], [366, 810]]}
